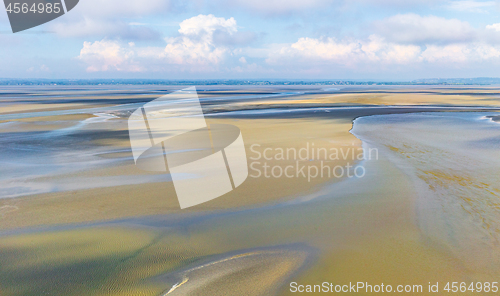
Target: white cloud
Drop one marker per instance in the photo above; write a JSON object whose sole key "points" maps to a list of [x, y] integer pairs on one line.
{"points": [[495, 27], [193, 49], [449, 53], [487, 52], [460, 53], [413, 28], [346, 52], [205, 25], [195, 45], [471, 6], [377, 52], [109, 55]]}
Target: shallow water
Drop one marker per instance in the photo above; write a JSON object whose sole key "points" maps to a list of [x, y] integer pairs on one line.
{"points": [[453, 160], [36, 162]]}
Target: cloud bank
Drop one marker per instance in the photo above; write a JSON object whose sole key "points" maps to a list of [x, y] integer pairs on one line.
{"points": [[210, 44]]}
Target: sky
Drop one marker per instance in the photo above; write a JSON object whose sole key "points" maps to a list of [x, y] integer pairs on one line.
{"points": [[259, 39]]}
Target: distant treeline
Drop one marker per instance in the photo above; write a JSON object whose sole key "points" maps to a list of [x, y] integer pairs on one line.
{"points": [[436, 81]]}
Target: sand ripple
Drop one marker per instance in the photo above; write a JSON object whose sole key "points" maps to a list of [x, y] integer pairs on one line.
{"points": [[256, 272]]}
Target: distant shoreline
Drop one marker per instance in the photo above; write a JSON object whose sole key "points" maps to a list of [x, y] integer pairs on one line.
{"points": [[254, 82]]}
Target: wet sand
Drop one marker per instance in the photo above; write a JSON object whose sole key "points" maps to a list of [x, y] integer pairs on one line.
{"points": [[454, 170], [156, 195], [381, 228]]}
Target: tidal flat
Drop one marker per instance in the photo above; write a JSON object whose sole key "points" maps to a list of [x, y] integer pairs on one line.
{"points": [[77, 217]]}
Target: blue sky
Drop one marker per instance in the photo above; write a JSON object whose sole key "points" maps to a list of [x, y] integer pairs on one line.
{"points": [[315, 39]]}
